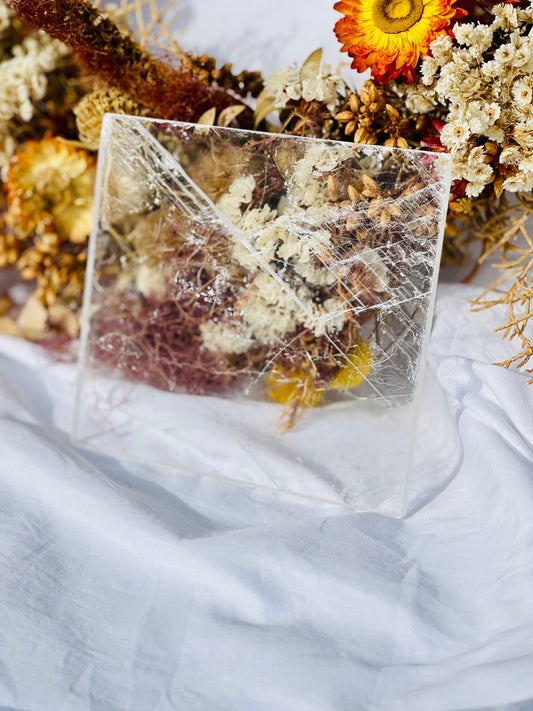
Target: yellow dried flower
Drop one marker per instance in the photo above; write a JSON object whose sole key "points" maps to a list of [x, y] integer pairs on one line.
{"points": [[287, 387], [354, 372], [50, 189], [90, 112]]}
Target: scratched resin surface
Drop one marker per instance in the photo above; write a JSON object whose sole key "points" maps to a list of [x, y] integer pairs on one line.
{"points": [[290, 275]]}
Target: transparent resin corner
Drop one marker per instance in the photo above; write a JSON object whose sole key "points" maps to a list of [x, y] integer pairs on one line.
{"points": [[257, 307]]}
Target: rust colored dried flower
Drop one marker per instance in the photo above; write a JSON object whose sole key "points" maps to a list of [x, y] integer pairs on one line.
{"points": [[92, 107], [50, 190]]}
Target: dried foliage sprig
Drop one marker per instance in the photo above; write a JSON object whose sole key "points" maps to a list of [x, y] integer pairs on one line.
{"points": [[506, 233]]}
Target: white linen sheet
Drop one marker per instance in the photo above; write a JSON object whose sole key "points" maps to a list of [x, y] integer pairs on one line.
{"points": [[127, 588]]}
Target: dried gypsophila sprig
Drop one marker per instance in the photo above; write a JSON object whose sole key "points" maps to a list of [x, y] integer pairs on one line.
{"points": [[6, 16], [481, 85], [24, 75]]}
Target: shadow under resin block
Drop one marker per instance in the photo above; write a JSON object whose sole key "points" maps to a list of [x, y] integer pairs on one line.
{"points": [[257, 307]]}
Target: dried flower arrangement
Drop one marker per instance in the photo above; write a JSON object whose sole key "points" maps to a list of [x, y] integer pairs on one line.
{"points": [[448, 75]]}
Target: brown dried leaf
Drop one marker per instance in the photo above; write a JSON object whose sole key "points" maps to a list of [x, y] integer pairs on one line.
{"points": [[227, 115], [265, 106]]}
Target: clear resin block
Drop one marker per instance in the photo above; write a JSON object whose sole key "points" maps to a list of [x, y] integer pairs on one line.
{"points": [[257, 307]]}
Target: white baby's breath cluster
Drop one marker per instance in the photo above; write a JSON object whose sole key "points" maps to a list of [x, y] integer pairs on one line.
{"points": [[484, 78], [24, 78], [285, 252], [293, 84]]}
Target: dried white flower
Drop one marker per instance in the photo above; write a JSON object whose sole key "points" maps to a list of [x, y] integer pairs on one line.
{"points": [[512, 155], [327, 317], [226, 337], [284, 86], [506, 17], [240, 191], [454, 135], [307, 185], [441, 49], [324, 87], [485, 99], [505, 56], [151, 282], [288, 85], [268, 311], [480, 115], [24, 75], [420, 100], [519, 182], [522, 92], [526, 165], [430, 66], [254, 220]]}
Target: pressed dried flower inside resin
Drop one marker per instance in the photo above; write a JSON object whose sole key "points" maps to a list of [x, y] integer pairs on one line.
{"points": [[258, 266]]}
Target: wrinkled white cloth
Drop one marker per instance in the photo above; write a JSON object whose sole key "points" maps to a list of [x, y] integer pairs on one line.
{"points": [[128, 588]]}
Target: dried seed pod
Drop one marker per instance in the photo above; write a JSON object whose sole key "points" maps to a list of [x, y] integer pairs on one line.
{"points": [[393, 113], [355, 103], [371, 188], [333, 189], [344, 116]]}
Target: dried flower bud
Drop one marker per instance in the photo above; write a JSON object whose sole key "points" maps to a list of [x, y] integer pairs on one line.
{"points": [[355, 103], [90, 112], [393, 113]]}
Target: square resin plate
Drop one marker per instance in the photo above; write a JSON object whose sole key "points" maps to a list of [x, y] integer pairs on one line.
{"points": [[257, 307]]}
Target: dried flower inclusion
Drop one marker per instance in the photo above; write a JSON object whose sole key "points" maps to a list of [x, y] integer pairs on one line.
{"points": [[263, 266]]}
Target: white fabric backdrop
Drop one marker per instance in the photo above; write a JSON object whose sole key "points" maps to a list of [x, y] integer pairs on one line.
{"points": [[124, 588]]}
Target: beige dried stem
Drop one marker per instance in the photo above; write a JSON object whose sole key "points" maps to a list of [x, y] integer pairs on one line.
{"points": [[514, 287], [148, 22]]}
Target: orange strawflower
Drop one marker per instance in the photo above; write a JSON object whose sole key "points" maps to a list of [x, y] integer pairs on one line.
{"points": [[390, 36]]}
